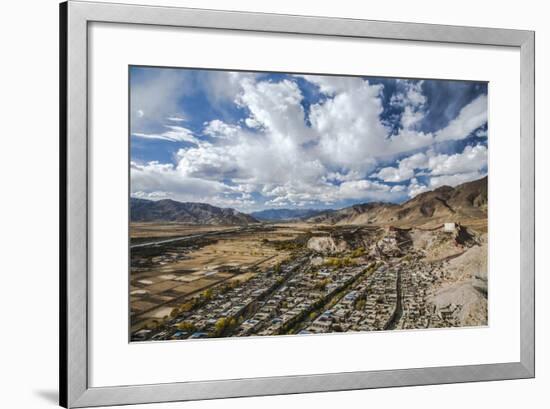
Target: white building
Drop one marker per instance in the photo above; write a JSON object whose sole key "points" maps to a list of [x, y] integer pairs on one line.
{"points": [[449, 227]]}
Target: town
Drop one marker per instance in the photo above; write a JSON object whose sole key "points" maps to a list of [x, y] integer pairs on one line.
{"points": [[281, 279]]}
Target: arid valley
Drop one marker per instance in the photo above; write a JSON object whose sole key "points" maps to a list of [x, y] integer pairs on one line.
{"points": [[200, 272]]}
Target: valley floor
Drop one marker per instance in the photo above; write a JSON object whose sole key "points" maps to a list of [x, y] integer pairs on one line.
{"points": [[300, 278]]}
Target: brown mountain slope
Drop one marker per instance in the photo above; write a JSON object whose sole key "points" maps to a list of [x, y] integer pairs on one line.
{"points": [[193, 213], [466, 203], [357, 214]]}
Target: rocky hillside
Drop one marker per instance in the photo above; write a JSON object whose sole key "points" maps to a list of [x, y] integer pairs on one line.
{"points": [[465, 202], [168, 210], [374, 212]]}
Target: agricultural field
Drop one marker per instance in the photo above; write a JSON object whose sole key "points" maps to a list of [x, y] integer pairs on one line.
{"points": [[302, 278], [166, 275]]}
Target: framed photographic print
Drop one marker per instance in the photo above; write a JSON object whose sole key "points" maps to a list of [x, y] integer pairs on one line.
{"points": [[257, 204]]}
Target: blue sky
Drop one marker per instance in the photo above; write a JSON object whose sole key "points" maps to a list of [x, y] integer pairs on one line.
{"points": [[253, 141]]}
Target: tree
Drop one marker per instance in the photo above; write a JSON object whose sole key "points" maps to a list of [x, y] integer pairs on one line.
{"points": [[187, 306], [321, 285], [223, 324], [220, 325], [207, 294], [186, 326]]}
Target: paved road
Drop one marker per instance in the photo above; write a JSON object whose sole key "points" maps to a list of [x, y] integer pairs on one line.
{"points": [[398, 313], [188, 237]]}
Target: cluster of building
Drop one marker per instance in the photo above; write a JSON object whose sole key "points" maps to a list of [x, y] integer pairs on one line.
{"points": [[236, 305], [368, 305], [418, 283], [416, 287], [301, 296], [274, 302], [380, 291], [394, 296]]}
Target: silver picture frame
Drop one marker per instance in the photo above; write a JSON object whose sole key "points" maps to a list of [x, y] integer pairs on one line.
{"points": [[75, 16]]}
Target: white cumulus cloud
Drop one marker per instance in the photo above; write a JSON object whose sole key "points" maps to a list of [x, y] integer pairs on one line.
{"points": [[471, 117], [274, 152], [174, 134]]}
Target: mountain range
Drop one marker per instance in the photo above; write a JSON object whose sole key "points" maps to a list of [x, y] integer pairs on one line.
{"points": [[168, 210], [463, 202]]}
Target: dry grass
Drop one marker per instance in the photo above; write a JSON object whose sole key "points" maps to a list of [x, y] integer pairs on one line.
{"points": [[240, 250], [241, 278], [155, 229], [169, 285]]}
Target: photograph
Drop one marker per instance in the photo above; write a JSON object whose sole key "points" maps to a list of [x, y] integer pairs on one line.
{"points": [[275, 204], [265, 203]]}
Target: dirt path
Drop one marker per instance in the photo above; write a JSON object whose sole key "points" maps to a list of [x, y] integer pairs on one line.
{"points": [[398, 313]]}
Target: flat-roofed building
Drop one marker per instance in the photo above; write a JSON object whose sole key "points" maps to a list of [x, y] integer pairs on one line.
{"points": [[449, 227]]}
